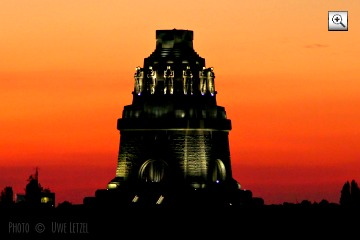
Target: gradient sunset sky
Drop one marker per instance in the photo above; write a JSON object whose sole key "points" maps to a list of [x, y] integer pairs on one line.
{"points": [[290, 87]]}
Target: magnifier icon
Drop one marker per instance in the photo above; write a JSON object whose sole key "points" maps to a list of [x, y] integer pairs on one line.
{"points": [[337, 19]]}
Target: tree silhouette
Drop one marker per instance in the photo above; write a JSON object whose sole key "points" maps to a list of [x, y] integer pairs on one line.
{"points": [[324, 202], [305, 203], [350, 194], [345, 196], [7, 196], [64, 204], [355, 194]]}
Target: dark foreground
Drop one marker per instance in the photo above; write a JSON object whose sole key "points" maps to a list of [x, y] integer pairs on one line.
{"points": [[275, 221]]}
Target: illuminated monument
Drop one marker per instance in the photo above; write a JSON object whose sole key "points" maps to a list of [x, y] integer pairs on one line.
{"points": [[174, 145]]}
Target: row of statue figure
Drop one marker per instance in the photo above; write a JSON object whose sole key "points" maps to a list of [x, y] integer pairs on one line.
{"points": [[206, 80], [207, 76]]}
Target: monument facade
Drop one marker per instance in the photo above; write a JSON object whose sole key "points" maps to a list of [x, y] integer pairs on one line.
{"points": [[174, 138]]}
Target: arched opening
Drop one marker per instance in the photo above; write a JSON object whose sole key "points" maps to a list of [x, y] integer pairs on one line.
{"points": [[218, 171], [153, 171]]}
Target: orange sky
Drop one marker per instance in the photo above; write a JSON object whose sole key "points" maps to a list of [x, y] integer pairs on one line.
{"points": [[290, 87]]}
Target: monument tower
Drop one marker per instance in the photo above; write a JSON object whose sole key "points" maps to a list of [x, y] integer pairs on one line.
{"points": [[174, 137]]}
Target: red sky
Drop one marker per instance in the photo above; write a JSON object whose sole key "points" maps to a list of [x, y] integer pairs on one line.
{"points": [[290, 87]]}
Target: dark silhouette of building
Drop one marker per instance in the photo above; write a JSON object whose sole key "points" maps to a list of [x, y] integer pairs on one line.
{"points": [[35, 194], [174, 145], [33, 189]]}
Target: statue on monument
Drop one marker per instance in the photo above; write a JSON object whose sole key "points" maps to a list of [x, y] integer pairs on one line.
{"points": [[138, 76], [210, 80], [169, 80], [151, 75], [187, 84], [203, 81]]}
